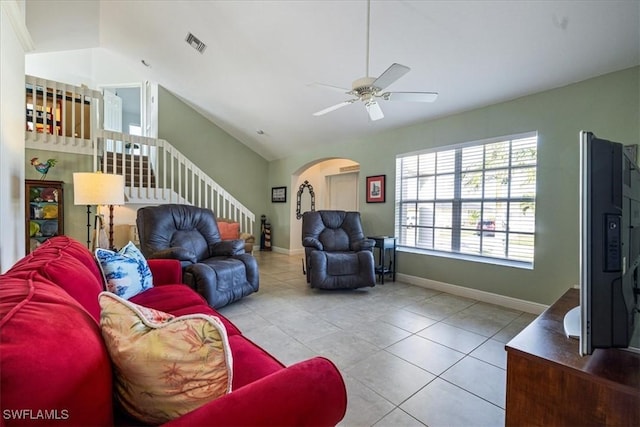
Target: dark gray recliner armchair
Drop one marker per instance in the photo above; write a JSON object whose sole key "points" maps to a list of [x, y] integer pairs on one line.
{"points": [[217, 269], [337, 255]]}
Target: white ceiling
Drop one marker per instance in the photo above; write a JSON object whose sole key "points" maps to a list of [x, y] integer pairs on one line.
{"points": [[262, 56]]}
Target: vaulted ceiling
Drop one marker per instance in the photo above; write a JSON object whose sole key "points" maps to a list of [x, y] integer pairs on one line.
{"points": [[262, 57]]}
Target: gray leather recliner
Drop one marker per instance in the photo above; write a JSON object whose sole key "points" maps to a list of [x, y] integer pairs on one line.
{"points": [[337, 254], [217, 269]]}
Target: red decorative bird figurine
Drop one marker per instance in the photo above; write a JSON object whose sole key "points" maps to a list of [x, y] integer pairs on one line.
{"points": [[43, 168]]}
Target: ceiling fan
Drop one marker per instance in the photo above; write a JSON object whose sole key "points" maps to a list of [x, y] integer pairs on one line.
{"points": [[370, 89]]}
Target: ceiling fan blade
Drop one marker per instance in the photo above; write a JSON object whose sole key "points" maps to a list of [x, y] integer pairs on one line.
{"points": [[391, 74], [410, 96], [334, 107], [374, 110], [326, 86]]}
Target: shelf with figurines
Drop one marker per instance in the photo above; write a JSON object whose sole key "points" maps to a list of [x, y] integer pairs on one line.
{"points": [[44, 211]]}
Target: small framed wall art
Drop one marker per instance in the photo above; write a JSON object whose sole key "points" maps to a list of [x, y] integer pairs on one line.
{"points": [[376, 189], [278, 194]]}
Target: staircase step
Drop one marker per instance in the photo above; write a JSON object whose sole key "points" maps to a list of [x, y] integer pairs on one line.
{"points": [[128, 169], [135, 168], [129, 163], [145, 184], [158, 196]]}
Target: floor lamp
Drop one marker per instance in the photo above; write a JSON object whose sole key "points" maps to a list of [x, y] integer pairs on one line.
{"points": [[96, 188]]}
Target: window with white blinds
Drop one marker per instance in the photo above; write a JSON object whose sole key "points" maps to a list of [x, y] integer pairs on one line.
{"points": [[476, 199]]}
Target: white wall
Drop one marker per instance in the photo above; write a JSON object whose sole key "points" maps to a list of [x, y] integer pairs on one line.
{"points": [[77, 69], [91, 67], [14, 40]]}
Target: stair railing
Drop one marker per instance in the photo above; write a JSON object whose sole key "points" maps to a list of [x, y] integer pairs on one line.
{"points": [[155, 171], [65, 118]]}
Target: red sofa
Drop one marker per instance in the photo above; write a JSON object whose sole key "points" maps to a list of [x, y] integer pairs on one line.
{"points": [[55, 369]]}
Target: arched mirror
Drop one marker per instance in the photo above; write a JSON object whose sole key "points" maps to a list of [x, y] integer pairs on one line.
{"points": [[308, 203]]}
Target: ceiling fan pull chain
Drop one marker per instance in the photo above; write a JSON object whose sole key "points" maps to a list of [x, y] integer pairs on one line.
{"points": [[366, 74]]}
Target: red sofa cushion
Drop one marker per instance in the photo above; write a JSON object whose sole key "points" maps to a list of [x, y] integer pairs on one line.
{"points": [[165, 271], [179, 300], [53, 362], [69, 265], [255, 363], [309, 393], [72, 247], [69, 274]]}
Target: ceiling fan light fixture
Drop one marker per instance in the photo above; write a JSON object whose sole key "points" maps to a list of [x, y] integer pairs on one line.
{"points": [[367, 89], [374, 110], [363, 82]]}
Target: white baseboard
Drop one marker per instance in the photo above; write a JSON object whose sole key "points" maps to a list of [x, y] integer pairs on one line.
{"points": [[290, 252], [488, 297], [478, 295]]}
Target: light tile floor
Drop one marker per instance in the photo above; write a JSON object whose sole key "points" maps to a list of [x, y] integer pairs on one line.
{"points": [[410, 356]]}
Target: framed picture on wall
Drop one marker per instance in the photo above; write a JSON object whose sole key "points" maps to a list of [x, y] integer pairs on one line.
{"points": [[278, 194], [376, 188]]}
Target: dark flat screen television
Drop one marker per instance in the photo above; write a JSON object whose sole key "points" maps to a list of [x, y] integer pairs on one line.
{"points": [[609, 247]]}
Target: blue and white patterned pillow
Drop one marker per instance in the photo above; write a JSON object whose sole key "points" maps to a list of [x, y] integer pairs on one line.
{"points": [[125, 272]]}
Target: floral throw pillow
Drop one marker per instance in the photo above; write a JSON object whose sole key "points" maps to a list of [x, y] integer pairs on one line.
{"points": [[165, 366], [125, 272]]}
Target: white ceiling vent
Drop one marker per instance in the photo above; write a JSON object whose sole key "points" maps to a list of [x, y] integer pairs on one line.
{"points": [[195, 43]]}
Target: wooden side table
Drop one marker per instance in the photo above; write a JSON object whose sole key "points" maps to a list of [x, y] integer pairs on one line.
{"points": [[385, 243]]}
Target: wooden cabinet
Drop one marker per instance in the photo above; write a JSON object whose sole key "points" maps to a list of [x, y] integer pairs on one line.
{"points": [[550, 384], [44, 211]]}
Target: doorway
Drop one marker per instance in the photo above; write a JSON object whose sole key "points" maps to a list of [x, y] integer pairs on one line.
{"points": [[342, 192], [123, 109]]}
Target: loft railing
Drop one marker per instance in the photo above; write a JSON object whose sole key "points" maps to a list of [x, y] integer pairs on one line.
{"points": [[61, 117]]}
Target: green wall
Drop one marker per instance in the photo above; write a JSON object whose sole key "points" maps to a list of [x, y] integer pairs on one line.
{"points": [[608, 105], [234, 166]]}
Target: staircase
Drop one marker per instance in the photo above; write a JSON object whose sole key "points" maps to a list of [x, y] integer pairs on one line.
{"points": [[136, 169], [155, 172]]}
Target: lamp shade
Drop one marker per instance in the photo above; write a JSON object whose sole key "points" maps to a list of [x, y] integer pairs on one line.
{"points": [[95, 188]]}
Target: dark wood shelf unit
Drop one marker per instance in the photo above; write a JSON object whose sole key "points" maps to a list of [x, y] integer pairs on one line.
{"points": [[549, 383], [44, 211]]}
